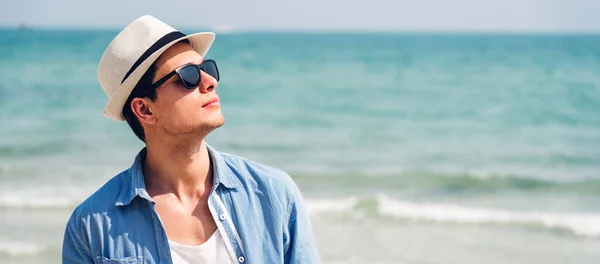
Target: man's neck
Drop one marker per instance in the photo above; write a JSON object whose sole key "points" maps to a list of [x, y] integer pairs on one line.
{"points": [[183, 168]]}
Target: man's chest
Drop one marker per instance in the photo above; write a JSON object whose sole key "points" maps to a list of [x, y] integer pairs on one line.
{"points": [[184, 223]]}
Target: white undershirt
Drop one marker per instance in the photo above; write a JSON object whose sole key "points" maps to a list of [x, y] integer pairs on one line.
{"points": [[213, 251]]}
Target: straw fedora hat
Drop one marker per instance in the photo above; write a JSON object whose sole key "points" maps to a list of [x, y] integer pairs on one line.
{"points": [[132, 51]]}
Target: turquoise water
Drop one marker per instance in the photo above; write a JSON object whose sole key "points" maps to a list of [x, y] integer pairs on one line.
{"points": [[410, 148]]}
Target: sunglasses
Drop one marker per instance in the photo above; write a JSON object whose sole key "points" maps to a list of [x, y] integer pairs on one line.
{"points": [[189, 74]]}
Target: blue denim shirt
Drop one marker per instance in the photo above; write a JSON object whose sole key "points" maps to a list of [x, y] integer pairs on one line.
{"points": [[258, 209]]}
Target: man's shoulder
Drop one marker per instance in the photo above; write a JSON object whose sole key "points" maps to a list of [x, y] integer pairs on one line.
{"points": [[103, 199]]}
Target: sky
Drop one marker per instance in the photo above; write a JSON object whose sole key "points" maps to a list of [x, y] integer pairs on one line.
{"points": [[314, 15]]}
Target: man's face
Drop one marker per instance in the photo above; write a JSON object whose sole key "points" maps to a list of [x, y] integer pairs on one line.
{"points": [[181, 111]]}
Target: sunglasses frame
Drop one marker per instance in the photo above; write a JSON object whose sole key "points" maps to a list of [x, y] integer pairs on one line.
{"points": [[177, 71]]}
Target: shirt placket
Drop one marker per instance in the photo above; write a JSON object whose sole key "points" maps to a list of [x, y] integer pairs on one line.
{"points": [[164, 250], [226, 228]]}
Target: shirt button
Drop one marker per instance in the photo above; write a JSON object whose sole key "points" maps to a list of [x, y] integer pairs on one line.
{"points": [[222, 217], [241, 259]]}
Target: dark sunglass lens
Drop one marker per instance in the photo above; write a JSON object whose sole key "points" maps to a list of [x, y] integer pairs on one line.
{"points": [[190, 77], [210, 67]]}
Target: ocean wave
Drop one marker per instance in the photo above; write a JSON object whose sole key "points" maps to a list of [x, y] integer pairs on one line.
{"points": [[45, 148], [382, 205], [581, 224], [28, 201], [451, 182], [317, 206], [16, 248], [43, 195]]}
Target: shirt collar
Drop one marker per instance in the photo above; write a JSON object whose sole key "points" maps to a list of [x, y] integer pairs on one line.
{"points": [[134, 185], [223, 175]]}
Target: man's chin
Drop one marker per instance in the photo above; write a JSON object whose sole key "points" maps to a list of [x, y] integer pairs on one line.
{"points": [[213, 125], [217, 125], [218, 122]]}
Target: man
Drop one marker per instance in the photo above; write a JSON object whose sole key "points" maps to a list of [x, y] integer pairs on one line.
{"points": [[181, 201]]}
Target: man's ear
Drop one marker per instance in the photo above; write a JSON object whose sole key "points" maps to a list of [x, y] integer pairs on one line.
{"points": [[141, 108]]}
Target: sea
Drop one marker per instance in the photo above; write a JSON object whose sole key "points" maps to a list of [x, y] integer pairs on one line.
{"points": [[409, 147]]}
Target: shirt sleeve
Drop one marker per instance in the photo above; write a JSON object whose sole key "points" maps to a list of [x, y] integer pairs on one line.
{"points": [[300, 245], [74, 249]]}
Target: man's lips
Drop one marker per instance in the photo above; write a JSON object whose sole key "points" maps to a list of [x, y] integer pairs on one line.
{"points": [[212, 102]]}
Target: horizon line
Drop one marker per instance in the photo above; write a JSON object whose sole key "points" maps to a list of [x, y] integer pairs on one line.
{"points": [[231, 30]]}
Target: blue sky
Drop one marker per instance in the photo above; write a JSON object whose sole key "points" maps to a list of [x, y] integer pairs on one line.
{"points": [[417, 15]]}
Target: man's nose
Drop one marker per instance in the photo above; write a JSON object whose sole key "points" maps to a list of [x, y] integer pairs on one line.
{"points": [[208, 83]]}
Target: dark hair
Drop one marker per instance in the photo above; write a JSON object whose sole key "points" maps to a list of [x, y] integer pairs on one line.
{"points": [[142, 89]]}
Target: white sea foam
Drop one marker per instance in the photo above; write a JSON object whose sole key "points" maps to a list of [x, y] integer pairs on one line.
{"points": [[41, 198], [583, 224], [17, 248], [318, 206], [578, 223], [36, 202]]}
